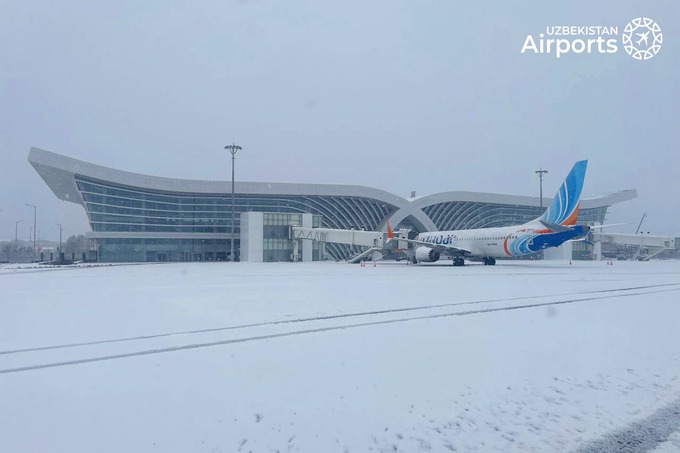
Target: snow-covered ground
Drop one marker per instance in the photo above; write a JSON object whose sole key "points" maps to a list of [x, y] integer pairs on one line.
{"points": [[331, 357]]}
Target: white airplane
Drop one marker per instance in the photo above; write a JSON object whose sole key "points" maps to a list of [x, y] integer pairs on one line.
{"points": [[556, 226], [643, 37]]}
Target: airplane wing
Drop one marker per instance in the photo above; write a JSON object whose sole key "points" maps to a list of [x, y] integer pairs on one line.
{"points": [[598, 227], [438, 247]]}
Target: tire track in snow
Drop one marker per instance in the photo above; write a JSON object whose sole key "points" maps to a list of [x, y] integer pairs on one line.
{"points": [[316, 330], [323, 318], [640, 436]]}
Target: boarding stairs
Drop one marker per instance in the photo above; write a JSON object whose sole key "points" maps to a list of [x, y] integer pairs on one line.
{"points": [[363, 255]]}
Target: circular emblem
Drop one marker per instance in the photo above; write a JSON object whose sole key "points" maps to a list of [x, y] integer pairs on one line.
{"points": [[642, 38]]}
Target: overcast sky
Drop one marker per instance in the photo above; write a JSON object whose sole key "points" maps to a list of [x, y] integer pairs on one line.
{"points": [[428, 96]]}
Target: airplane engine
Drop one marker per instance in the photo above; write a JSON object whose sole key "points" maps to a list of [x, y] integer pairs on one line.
{"points": [[426, 255]]}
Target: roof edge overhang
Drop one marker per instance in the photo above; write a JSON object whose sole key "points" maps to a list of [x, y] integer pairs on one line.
{"points": [[519, 200], [59, 173]]}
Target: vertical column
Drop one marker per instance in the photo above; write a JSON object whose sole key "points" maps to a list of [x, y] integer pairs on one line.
{"points": [[307, 244], [296, 250], [252, 237], [597, 251]]}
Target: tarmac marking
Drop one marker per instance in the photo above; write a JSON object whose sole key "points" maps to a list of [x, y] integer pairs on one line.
{"points": [[316, 330], [322, 318]]}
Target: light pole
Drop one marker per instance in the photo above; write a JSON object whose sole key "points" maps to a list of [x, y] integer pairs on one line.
{"points": [[540, 173], [60, 250], [35, 217], [233, 149], [16, 238]]}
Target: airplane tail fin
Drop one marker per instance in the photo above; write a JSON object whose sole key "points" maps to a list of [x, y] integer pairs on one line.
{"points": [[563, 209], [390, 233]]}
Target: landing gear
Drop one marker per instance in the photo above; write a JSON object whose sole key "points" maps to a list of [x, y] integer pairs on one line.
{"points": [[489, 261], [458, 261]]}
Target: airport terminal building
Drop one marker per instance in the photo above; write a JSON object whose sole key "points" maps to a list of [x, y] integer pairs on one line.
{"points": [[141, 218]]}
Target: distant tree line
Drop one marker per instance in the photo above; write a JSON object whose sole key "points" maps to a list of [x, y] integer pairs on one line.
{"points": [[22, 251], [19, 251], [77, 244]]}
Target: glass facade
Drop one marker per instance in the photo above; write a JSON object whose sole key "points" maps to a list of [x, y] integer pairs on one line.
{"points": [[464, 215], [277, 244], [113, 208], [150, 250], [119, 209]]}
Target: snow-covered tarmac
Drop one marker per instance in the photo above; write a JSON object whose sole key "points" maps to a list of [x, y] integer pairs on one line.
{"points": [[331, 357]]}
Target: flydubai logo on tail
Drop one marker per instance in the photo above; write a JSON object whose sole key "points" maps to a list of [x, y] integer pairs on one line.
{"points": [[563, 209], [641, 39]]}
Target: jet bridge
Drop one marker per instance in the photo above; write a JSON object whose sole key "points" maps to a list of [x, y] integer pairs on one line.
{"points": [[370, 241], [643, 241]]}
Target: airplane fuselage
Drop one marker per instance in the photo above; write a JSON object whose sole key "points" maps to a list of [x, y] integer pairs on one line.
{"points": [[504, 241]]}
